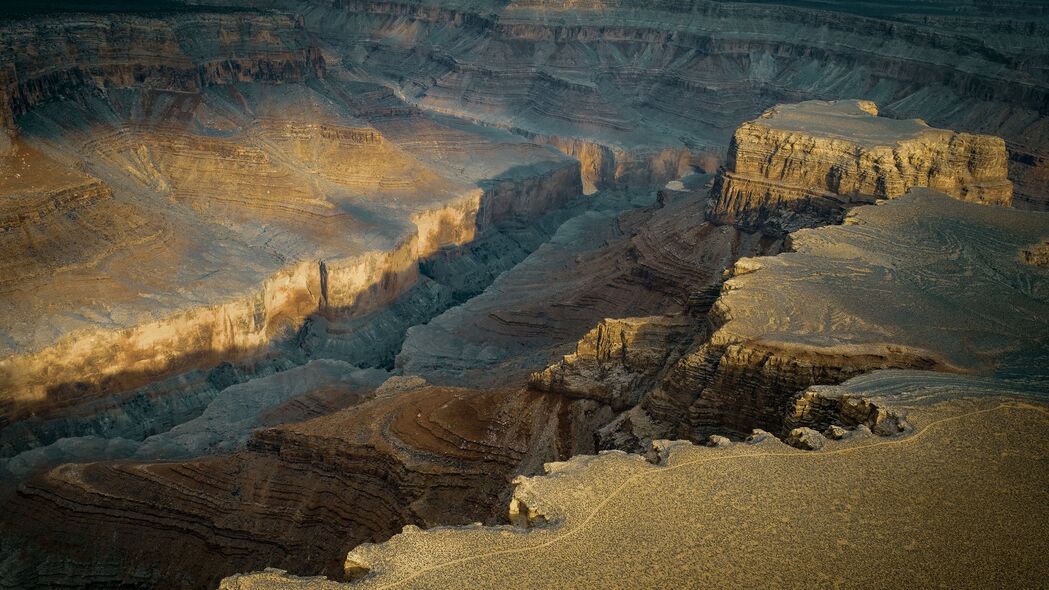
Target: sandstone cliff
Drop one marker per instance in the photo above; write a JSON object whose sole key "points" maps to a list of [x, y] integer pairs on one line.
{"points": [[797, 165], [648, 75], [300, 496], [198, 206], [661, 258], [614, 362], [319, 211]]}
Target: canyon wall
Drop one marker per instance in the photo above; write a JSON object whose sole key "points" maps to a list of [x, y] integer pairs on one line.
{"points": [[659, 258], [407, 454], [99, 360], [214, 220], [46, 59], [731, 512], [821, 313]]}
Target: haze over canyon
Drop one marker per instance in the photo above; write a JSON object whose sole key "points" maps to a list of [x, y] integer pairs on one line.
{"points": [[333, 294]]}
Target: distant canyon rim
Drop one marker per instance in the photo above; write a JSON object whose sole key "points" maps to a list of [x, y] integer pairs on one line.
{"points": [[285, 282]]}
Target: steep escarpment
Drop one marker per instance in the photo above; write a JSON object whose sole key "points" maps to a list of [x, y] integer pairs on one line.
{"points": [[846, 300], [300, 496], [242, 283], [732, 513], [799, 165], [659, 259], [613, 362], [47, 59], [218, 223]]}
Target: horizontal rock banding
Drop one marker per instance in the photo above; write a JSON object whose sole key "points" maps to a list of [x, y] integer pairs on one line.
{"points": [[331, 216], [803, 161], [315, 489], [822, 313], [725, 62]]}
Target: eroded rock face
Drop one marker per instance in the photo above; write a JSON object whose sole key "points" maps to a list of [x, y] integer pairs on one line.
{"points": [[1037, 254], [851, 499], [314, 181], [300, 497], [658, 259], [613, 361], [320, 212], [648, 76], [798, 165], [822, 314], [45, 59]]}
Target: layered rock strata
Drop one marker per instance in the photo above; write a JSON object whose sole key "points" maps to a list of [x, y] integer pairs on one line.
{"points": [[299, 497], [913, 283], [799, 165], [186, 418], [319, 211], [356, 141], [732, 513], [658, 259], [617, 74], [616, 361], [46, 58]]}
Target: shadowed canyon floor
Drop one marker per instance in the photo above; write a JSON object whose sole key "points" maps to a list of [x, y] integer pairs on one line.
{"points": [[284, 278]]}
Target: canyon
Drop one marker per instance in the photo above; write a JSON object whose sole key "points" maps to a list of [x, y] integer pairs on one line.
{"points": [[288, 282]]}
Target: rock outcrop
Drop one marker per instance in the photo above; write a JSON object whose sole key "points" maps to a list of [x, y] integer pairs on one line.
{"points": [[799, 165], [223, 226], [299, 497], [913, 283], [641, 77], [600, 266], [733, 514], [616, 361]]}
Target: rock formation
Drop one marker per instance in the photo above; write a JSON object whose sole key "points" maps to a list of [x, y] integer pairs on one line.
{"points": [[636, 78], [798, 165], [612, 362], [755, 513], [299, 232], [658, 259], [299, 497], [846, 301]]}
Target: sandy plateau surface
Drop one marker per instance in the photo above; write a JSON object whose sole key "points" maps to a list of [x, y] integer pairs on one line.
{"points": [[958, 501]]}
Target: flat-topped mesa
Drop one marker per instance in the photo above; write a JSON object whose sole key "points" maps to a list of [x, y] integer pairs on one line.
{"points": [[800, 165], [687, 73]]}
